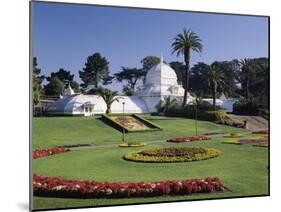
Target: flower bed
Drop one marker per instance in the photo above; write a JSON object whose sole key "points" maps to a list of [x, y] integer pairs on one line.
{"points": [[261, 132], [57, 187], [132, 144], [188, 139], [247, 141], [172, 154], [46, 152], [262, 144], [130, 123], [232, 135], [65, 188]]}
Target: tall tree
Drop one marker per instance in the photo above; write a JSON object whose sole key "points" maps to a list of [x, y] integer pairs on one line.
{"points": [[183, 44], [246, 68], [231, 71], [96, 71], [148, 62], [131, 76], [215, 79], [254, 77], [108, 96], [66, 77], [198, 84], [36, 81], [55, 87], [179, 69]]}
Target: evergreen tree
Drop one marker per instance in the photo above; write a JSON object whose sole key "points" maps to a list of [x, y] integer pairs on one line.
{"points": [[36, 81], [96, 71], [55, 87]]}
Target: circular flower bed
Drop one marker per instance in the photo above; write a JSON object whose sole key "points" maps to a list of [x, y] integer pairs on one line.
{"points": [[132, 144], [188, 139], [58, 187], [172, 154]]}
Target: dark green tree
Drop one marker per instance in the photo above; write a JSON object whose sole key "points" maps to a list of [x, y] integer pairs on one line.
{"points": [[246, 73], [231, 71], [254, 79], [131, 76], [183, 45], [128, 91], [66, 77], [198, 82], [179, 69], [55, 87], [36, 82], [147, 63], [96, 71], [215, 79]]}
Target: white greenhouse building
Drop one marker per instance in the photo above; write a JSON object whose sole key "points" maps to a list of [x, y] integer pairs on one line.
{"points": [[161, 81]]}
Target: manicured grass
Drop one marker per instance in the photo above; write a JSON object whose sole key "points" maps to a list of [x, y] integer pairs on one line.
{"points": [[55, 131], [243, 169]]}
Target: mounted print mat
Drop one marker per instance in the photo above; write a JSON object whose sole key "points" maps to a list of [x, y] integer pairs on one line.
{"points": [[139, 105]]}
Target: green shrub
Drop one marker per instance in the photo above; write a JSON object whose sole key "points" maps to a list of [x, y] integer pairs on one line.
{"points": [[249, 107], [204, 112], [213, 115], [189, 112]]}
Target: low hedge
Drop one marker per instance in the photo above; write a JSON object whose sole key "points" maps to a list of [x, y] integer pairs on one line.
{"points": [[189, 112], [172, 154], [132, 144]]}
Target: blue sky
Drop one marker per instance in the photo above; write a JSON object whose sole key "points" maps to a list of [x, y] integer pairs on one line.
{"points": [[65, 34]]}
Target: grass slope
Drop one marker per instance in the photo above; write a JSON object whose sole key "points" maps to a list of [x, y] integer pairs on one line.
{"points": [[55, 131]]}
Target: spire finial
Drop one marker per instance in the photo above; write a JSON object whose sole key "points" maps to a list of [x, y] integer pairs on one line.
{"points": [[161, 58]]}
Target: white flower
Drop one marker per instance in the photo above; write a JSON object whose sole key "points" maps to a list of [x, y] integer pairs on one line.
{"points": [[58, 187]]}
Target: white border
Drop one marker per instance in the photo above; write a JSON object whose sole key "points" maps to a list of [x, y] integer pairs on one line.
{"points": [[14, 54]]}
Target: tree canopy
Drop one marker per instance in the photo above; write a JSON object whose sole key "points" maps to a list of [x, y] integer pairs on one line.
{"points": [[65, 77], [131, 76], [36, 82], [183, 45], [95, 72], [55, 87]]}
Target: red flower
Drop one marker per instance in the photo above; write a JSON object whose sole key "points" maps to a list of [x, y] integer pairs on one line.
{"points": [[261, 132], [46, 186]]}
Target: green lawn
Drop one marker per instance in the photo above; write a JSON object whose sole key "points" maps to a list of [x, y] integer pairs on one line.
{"points": [[54, 131], [242, 168]]}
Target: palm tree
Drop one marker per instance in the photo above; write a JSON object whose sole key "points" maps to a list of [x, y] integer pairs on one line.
{"points": [[215, 78], [246, 68], [183, 44], [109, 97], [165, 104]]}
